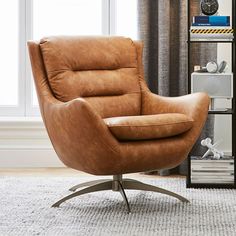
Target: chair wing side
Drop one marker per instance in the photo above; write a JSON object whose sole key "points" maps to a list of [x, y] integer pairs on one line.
{"points": [[72, 125]]}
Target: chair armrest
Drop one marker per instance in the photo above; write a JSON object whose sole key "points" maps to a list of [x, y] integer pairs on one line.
{"points": [[192, 105], [72, 127], [76, 118]]}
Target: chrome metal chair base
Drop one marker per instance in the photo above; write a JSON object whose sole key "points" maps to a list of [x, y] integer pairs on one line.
{"points": [[116, 184]]}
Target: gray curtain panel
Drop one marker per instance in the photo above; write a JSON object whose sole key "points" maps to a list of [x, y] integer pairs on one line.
{"points": [[162, 26]]}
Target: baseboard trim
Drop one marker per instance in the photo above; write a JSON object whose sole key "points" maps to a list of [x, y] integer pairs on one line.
{"points": [[24, 143], [24, 158]]}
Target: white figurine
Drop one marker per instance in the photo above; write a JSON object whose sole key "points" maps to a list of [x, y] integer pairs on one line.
{"points": [[211, 149]]}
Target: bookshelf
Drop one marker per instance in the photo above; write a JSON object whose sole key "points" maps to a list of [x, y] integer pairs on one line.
{"points": [[193, 164]]}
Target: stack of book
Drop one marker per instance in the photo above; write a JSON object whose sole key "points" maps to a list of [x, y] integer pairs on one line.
{"points": [[209, 170], [211, 28]]}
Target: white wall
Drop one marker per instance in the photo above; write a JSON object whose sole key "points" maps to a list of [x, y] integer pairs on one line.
{"points": [[24, 143]]}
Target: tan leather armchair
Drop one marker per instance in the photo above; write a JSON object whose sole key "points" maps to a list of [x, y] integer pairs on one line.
{"points": [[101, 117]]}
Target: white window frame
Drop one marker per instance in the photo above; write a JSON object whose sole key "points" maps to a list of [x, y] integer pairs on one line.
{"points": [[25, 106], [18, 110]]}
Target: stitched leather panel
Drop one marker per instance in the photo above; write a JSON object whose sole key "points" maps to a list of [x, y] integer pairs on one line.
{"points": [[96, 68], [111, 106], [87, 53], [68, 85]]}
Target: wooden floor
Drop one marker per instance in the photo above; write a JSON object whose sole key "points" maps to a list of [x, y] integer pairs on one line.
{"points": [[31, 172]]}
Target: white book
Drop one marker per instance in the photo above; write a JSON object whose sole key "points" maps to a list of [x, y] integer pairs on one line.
{"points": [[210, 162], [219, 174], [212, 169], [213, 177], [210, 27], [200, 167], [211, 36], [211, 158]]}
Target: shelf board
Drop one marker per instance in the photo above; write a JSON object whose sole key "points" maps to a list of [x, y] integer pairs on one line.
{"points": [[210, 41], [216, 185], [229, 111]]}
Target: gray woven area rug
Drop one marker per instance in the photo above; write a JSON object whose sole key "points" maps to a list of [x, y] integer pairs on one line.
{"points": [[25, 210]]}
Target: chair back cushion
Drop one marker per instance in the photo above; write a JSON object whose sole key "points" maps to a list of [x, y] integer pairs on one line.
{"points": [[102, 70]]}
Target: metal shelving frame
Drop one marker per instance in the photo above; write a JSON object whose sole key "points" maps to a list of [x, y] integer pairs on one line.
{"points": [[230, 112]]}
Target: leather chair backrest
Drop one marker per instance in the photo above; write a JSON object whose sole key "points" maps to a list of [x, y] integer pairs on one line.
{"points": [[102, 70]]}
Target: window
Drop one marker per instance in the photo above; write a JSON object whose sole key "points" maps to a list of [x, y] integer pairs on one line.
{"points": [[9, 57], [34, 19], [126, 18], [70, 17]]}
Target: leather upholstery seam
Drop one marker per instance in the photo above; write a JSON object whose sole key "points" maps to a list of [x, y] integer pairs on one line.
{"points": [[138, 75], [105, 69], [149, 125], [114, 95]]}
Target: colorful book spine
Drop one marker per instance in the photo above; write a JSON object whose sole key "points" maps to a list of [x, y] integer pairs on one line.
{"points": [[210, 24], [211, 21]]}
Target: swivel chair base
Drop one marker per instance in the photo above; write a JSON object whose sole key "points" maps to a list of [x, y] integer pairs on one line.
{"points": [[116, 184]]}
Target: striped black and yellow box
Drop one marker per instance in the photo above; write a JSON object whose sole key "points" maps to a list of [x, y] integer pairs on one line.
{"points": [[212, 31]]}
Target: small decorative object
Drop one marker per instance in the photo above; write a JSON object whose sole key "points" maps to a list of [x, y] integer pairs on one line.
{"points": [[212, 67], [209, 7], [211, 149], [197, 68]]}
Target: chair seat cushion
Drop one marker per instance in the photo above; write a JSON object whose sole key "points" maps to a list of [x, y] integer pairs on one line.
{"points": [[146, 127]]}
